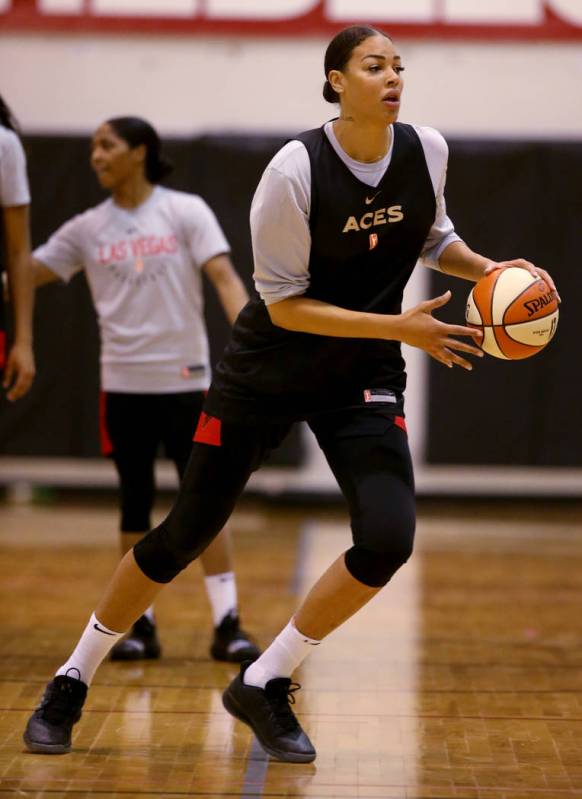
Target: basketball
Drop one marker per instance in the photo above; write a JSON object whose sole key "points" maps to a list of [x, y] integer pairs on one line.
{"points": [[517, 312]]}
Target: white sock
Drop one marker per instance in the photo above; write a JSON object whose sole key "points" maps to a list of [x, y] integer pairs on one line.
{"points": [[149, 614], [221, 590], [93, 646], [281, 658]]}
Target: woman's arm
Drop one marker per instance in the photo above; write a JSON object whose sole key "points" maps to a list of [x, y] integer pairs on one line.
{"points": [[229, 287], [416, 326], [443, 249], [280, 211], [20, 369], [41, 274], [459, 260]]}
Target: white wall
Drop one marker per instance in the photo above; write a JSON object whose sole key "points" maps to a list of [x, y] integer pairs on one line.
{"points": [[184, 84]]}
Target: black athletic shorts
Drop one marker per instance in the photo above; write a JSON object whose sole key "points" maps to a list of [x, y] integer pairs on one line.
{"points": [[140, 425]]}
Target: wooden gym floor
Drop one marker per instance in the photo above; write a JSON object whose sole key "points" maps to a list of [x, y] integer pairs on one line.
{"points": [[462, 679]]}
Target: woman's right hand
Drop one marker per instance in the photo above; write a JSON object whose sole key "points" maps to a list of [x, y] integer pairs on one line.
{"points": [[419, 328], [19, 371]]}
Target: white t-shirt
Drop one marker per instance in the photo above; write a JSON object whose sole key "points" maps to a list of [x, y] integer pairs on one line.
{"points": [[13, 180], [143, 267], [283, 199]]}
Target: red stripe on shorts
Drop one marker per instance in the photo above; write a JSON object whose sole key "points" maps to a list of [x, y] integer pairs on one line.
{"points": [[399, 421], [104, 440], [208, 431]]}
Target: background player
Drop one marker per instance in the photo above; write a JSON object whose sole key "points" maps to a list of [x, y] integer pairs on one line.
{"points": [[338, 222], [144, 251], [18, 363]]}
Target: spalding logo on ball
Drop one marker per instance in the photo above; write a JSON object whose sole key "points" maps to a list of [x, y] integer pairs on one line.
{"points": [[517, 312]]}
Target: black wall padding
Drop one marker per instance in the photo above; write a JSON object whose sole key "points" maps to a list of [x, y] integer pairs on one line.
{"points": [[59, 416], [507, 199], [514, 200]]}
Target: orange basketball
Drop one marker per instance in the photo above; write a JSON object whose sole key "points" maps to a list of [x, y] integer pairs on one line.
{"points": [[517, 312]]}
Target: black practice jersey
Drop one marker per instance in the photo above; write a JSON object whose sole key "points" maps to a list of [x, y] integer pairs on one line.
{"points": [[365, 243]]}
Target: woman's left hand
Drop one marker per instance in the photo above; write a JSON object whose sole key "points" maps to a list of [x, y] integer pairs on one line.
{"points": [[520, 263]]}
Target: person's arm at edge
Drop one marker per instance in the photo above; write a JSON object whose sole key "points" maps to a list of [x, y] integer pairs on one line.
{"points": [[25, 273], [20, 369]]}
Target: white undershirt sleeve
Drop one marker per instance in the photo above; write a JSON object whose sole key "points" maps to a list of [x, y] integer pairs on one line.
{"points": [[205, 237], [280, 231], [280, 219], [442, 232], [13, 178]]}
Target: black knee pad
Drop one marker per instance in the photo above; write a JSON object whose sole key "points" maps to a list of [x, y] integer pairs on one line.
{"points": [[158, 560], [373, 568]]}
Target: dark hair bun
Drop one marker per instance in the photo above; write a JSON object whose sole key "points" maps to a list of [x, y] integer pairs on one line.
{"points": [[330, 94], [339, 51], [136, 131], [158, 169]]}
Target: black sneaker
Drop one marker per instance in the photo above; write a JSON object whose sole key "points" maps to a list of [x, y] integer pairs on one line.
{"points": [[49, 728], [141, 643], [268, 714], [231, 644]]}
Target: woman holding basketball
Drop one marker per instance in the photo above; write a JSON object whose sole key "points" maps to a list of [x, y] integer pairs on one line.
{"points": [[144, 252], [18, 364], [338, 222]]}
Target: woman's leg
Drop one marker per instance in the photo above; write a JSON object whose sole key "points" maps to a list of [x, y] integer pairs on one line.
{"points": [[374, 472], [217, 557], [127, 595], [130, 437], [178, 431], [230, 643], [132, 425], [334, 598], [217, 472], [213, 481], [368, 453]]}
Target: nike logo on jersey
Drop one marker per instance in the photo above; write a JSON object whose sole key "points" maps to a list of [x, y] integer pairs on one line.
{"points": [[101, 630], [370, 200], [381, 216]]}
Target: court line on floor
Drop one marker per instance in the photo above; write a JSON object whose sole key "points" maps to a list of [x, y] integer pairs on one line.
{"points": [[256, 773], [258, 760]]}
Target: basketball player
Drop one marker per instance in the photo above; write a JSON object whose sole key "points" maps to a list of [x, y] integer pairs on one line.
{"points": [[18, 365], [144, 252], [339, 219]]}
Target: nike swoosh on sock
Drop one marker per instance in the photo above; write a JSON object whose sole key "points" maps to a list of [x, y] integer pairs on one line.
{"points": [[101, 630]]}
